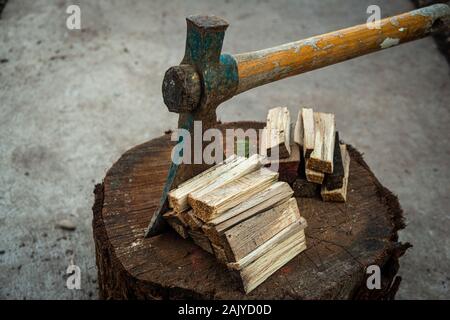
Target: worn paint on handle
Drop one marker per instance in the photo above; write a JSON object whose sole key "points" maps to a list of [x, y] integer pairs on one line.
{"points": [[268, 65]]}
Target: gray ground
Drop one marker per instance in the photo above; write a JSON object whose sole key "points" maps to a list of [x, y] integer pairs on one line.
{"points": [[73, 101]]}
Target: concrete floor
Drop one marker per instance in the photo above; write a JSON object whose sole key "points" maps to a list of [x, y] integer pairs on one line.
{"points": [[73, 101]]}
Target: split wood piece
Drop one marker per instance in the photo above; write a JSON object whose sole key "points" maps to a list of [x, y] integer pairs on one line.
{"points": [[178, 197], [278, 132], [248, 235], [287, 168], [244, 167], [334, 180], [277, 193], [231, 194], [314, 176], [201, 240], [191, 220], [301, 186], [339, 195], [177, 224], [267, 198], [298, 129], [256, 267], [306, 130], [321, 158]]}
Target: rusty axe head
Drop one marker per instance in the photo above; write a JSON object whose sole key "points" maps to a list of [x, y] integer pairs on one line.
{"points": [[205, 77]]}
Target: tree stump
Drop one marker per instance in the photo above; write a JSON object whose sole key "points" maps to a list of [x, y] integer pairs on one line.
{"points": [[342, 239]]}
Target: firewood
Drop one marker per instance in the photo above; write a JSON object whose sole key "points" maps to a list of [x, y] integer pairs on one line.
{"points": [[174, 220], [272, 195], [321, 158], [278, 132], [275, 194], [298, 129], [178, 197], [306, 123], [219, 200], [191, 220], [314, 176], [301, 186], [219, 252], [201, 240], [287, 168], [248, 235], [340, 194], [257, 266], [244, 167], [334, 180]]}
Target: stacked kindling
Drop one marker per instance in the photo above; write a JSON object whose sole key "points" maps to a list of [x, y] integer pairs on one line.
{"points": [[316, 164], [238, 211], [324, 161]]}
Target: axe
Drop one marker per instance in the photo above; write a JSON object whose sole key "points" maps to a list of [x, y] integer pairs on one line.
{"points": [[207, 77]]}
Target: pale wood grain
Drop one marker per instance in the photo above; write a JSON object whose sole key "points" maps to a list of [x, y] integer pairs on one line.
{"points": [[308, 126], [269, 245], [298, 129], [276, 192], [178, 198], [253, 232], [249, 165], [264, 267], [278, 132], [321, 158], [219, 200]]}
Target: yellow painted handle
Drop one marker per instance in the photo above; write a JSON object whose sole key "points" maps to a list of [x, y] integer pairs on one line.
{"points": [[268, 65]]}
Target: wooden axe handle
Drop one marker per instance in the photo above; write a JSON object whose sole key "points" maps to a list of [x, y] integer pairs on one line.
{"points": [[268, 65]]}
